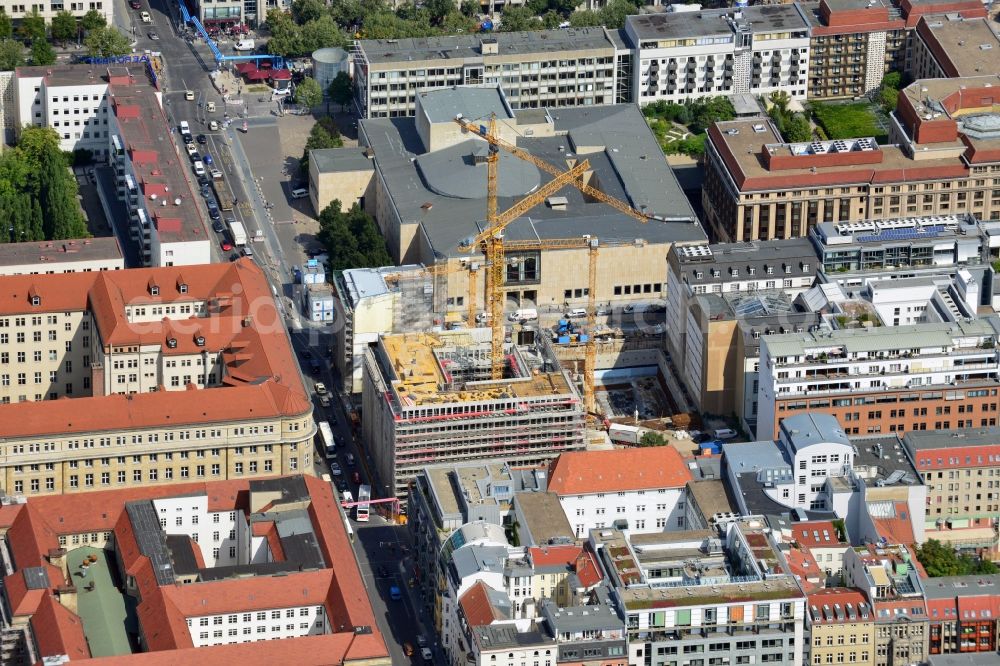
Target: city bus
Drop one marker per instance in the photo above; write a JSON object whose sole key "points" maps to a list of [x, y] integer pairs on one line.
{"points": [[361, 510], [324, 439]]}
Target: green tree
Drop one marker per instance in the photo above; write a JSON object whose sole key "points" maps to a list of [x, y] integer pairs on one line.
{"points": [[469, 8], [304, 11], [438, 9], [308, 93], [517, 19], [797, 129], [940, 560], [651, 439], [352, 239], [107, 42], [32, 27], [456, 22], [6, 26], [11, 54], [888, 98], [324, 134], [93, 20], [340, 90], [893, 79], [321, 33], [613, 14], [42, 53], [584, 19], [63, 27]]}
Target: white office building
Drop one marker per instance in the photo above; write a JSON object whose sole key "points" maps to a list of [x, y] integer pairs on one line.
{"points": [[71, 100], [48, 10], [708, 53], [643, 488]]}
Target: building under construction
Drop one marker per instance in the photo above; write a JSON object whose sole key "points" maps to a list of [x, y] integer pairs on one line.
{"points": [[428, 399]]}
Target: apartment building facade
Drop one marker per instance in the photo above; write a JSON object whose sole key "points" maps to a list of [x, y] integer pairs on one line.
{"points": [[48, 10], [137, 357], [883, 379], [963, 613], [729, 602], [745, 50], [641, 487], [71, 100], [841, 626], [959, 468], [886, 575], [549, 68], [759, 187]]}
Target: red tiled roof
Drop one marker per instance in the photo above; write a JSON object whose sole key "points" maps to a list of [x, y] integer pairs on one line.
{"points": [[816, 533], [836, 595], [896, 529], [236, 292], [58, 631], [803, 565], [550, 556], [22, 600], [586, 472], [587, 570], [477, 608]]}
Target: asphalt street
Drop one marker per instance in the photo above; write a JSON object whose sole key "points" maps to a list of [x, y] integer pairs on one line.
{"points": [[256, 179]]}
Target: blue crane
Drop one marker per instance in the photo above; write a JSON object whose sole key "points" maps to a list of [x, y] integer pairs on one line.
{"points": [[278, 62]]}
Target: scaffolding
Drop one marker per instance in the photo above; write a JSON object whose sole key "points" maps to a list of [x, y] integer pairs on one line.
{"points": [[432, 400]]}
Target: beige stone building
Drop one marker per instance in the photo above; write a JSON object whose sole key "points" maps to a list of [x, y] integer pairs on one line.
{"points": [[429, 181], [146, 376], [942, 160], [842, 627], [344, 174]]}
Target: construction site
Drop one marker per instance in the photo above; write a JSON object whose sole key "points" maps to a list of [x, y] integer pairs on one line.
{"points": [[430, 398]]}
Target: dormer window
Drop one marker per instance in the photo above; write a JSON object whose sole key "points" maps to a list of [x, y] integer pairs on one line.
{"points": [[154, 290], [36, 300], [183, 288], [172, 343]]}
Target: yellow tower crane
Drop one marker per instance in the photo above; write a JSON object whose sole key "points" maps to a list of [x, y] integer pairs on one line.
{"points": [[492, 239]]}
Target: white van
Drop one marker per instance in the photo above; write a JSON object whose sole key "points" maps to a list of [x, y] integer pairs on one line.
{"points": [[524, 314], [244, 45], [483, 317], [184, 127], [346, 496], [146, 18], [199, 168], [725, 433], [300, 193], [576, 313]]}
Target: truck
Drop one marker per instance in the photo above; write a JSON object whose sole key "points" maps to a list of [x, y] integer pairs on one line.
{"points": [[239, 233], [625, 434]]}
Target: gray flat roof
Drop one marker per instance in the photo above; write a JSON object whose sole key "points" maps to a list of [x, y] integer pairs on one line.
{"points": [[946, 439], [544, 516], [949, 587], [458, 48], [441, 106], [58, 251], [812, 428], [797, 256], [341, 160], [628, 165], [676, 25], [913, 336]]}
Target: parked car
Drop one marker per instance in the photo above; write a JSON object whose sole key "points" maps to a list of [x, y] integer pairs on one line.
{"points": [[725, 433], [324, 400], [407, 649], [218, 227], [421, 641], [135, 4], [202, 139], [335, 469], [152, 35], [300, 193], [427, 655], [355, 477], [395, 593], [226, 246], [320, 388]]}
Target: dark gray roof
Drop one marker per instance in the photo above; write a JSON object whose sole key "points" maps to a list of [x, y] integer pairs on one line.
{"points": [[676, 25], [182, 554], [36, 578], [455, 49], [885, 454], [292, 488], [500, 636], [151, 539], [87, 249], [798, 255], [597, 617], [341, 160], [917, 440], [758, 503], [441, 106], [453, 172], [628, 165]]}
